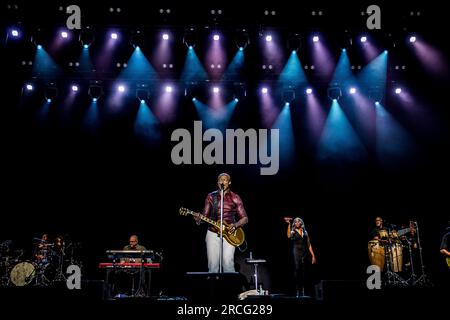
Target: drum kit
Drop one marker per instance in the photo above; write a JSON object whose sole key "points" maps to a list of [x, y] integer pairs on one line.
{"points": [[44, 269], [387, 252]]}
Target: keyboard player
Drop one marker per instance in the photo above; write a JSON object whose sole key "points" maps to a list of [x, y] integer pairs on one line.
{"points": [[133, 244]]}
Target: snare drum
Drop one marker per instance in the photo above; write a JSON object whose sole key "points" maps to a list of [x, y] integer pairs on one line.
{"points": [[376, 253], [23, 273]]}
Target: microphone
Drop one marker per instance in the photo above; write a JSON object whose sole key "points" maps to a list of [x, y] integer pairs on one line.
{"points": [[221, 185]]}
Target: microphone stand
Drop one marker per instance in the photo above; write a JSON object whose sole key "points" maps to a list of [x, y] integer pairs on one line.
{"points": [[423, 279], [221, 230]]}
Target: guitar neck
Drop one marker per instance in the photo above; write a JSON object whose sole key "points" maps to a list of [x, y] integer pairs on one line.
{"points": [[206, 219]]}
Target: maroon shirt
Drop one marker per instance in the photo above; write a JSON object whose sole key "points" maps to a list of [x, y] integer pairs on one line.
{"points": [[232, 207]]}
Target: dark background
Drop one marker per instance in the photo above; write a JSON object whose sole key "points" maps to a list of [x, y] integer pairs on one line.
{"points": [[98, 188]]}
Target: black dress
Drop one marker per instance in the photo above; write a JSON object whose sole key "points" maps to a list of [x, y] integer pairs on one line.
{"points": [[302, 260]]}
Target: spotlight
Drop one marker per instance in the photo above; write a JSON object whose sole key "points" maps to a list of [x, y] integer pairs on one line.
{"points": [[15, 33], [137, 40], [38, 38], [268, 38], [216, 37], [288, 96], [50, 92], [165, 36], [64, 34], [363, 39], [308, 91], [74, 88], [334, 92], [114, 36], [239, 91], [86, 38], [168, 89], [121, 88], [190, 38], [398, 90], [264, 90], [412, 39], [29, 87], [376, 94], [216, 89], [352, 90], [142, 94], [242, 39], [316, 39], [294, 43], [95, 92]]}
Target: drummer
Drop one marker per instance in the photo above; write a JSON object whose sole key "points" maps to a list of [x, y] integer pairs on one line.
{"points": [[379, 232], [42, 248]]}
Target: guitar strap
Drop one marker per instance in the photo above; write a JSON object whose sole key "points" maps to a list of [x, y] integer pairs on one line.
{"points": [[215, 207]]}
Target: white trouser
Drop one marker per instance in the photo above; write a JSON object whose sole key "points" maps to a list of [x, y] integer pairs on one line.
{"points": [[213, 251]]}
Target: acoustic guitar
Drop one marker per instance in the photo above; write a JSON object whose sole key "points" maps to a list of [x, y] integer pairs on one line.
{"points": [[235, 238]]}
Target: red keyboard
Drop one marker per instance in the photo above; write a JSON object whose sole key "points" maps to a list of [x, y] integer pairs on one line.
{"points": [[130, 265]]}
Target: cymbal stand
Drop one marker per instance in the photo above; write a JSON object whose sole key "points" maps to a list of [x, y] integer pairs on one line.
{"points": [[59, 273], [5, 279], [413, 277]]}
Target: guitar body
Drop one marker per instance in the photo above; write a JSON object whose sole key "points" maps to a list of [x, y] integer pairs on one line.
{"points": [[235, 238]]}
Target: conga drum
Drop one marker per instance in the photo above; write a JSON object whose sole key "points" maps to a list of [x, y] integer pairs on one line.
{"points": [[396, 257], [383, 234], [376, 253]]}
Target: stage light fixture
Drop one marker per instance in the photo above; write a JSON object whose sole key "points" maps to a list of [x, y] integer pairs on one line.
{"points": [[190, 37], [95, 92], [376, 94], [288, 95], [142, 94], [50, 92], [294, 43], [138, 39], [86, 37], [242, 39], [239, 90], [334, 92]]}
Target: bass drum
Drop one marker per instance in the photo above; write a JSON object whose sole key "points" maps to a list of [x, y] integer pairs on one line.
{"points": [[376, 254], [23, 273]]}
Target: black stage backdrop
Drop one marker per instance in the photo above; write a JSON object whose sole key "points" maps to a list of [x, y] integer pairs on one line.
{"points": [[99, 188]]}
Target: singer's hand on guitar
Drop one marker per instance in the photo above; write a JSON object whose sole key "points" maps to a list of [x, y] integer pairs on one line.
{"points": [[232, 228], [197, 218]]}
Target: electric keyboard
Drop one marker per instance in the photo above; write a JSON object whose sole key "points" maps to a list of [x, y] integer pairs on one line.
{"points": [[128, 265]]}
